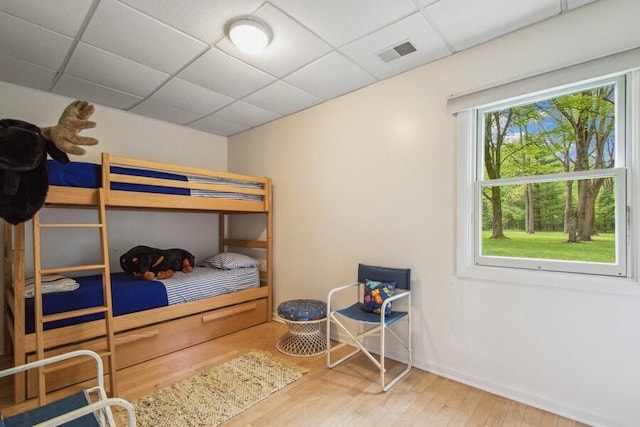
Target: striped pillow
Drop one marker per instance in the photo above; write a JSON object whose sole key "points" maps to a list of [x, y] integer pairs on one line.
{"points": [[229, 261]]}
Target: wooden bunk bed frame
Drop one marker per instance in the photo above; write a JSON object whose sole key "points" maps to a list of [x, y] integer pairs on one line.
{"points": [[148, 334]]}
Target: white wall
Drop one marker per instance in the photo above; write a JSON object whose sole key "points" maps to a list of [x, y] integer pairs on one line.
{"points": [[119, 133], [371, 177], [123, 134]]}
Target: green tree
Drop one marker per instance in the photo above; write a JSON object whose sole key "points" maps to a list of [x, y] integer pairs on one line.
{"points": [[496, 126], [573, 132], [590, 116], [605, 208]]}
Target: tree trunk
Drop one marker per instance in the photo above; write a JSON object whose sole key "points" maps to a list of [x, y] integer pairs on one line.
{"points": [[496, 206], [573, 222], [492, 163], [594, 227], [588, 193], [568, 207], [528, 210]]}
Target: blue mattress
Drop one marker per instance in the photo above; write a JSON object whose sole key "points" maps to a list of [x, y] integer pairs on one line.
{"points": [[128, 293], [89, 175]]}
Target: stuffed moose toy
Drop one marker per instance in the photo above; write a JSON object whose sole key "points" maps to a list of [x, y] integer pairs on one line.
{"points": [[23, 158]]}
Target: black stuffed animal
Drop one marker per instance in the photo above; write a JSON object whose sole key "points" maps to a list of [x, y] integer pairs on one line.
{"points": [[148, 263], [24, 181], [23, 169]]}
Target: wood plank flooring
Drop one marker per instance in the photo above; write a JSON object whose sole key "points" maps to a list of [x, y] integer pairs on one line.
{"points": [[347, 395]]}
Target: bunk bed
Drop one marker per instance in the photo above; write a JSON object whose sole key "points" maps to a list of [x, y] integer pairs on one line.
{"points": [[126, 183]]}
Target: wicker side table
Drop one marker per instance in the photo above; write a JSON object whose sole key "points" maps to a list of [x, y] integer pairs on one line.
{"points": [[305, 318]]}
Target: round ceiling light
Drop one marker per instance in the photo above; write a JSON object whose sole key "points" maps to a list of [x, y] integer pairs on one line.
{"points": [[249, 35]]}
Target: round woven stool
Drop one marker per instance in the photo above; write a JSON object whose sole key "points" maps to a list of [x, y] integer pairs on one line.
{"points": [[305, 318]]}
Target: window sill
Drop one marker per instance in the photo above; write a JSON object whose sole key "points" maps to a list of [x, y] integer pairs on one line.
{"points": [[569, 281]]}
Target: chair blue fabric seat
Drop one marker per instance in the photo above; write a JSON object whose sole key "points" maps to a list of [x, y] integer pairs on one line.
{"points": [[355, 312], [88, 407], [371, 316], [302, 310], [52, 410]]}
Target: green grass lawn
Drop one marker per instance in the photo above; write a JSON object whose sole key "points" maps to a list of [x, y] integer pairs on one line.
{"points": [[550, 245]]}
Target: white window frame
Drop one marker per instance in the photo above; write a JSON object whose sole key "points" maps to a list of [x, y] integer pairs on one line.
{"points": [[627, 171], [610, 269]]}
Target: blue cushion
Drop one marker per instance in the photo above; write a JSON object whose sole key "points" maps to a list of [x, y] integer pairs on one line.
{"points": [[302, 310], [356, 313]]}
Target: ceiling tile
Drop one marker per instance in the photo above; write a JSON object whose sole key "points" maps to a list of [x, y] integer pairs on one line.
{"points": [[166, 112], [25, 74], [282, 98], [245, 114], [291, 47], [465, 23], [218, 126], [64, 17], [172, 60], [413, 29], [224, 74], [203, 19], [126, 32], [188, 96], [340, 22], [32, 43], [330, 76], [97, 66], [81, 89]]}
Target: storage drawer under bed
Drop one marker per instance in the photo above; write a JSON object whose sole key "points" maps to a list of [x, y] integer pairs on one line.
{"points": [[149, 342]]}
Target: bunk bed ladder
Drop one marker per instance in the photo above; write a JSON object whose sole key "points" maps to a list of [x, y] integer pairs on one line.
{"points": [[42, 319], [14, 243]]}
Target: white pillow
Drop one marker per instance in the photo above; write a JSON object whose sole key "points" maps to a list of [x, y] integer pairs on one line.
{"points": [[229, 261]]}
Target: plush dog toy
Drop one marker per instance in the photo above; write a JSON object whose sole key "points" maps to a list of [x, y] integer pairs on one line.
{"points": [[23, 158], [148, 263]]}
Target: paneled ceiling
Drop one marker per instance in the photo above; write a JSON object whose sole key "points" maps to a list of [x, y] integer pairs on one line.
{"points": [[172, 60]]}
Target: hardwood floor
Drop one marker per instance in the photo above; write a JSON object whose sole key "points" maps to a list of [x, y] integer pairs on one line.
{"points": [[344, 396]]}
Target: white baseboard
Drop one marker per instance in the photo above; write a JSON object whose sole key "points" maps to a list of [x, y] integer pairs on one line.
{"points": [[557, 407], [277, 318], [563, 409]]}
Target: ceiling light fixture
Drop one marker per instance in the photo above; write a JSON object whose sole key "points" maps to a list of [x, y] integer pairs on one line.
{"points": [[249, 35]]}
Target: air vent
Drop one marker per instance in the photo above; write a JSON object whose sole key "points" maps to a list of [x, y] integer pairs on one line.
{"points": [[396, 52]]}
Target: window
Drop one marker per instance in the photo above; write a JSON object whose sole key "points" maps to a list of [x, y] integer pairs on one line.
{"points": [[545, 179]]}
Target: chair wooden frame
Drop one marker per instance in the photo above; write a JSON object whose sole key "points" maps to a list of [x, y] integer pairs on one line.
{"points": [[372, 324]]}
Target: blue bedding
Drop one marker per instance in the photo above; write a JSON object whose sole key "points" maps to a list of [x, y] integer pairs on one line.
{"points": [[129, 295], [89, 175]]}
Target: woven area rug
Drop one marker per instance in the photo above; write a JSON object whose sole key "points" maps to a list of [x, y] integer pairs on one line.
{"points": [[212, 397]]}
